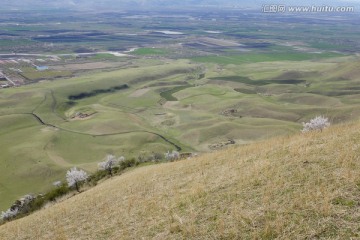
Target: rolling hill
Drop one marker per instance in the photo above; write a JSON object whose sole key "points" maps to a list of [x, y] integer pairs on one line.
{"points": [[305, 186]]}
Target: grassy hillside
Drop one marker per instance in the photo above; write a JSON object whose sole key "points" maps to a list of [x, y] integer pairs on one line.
{"points": [[132, 111], [302, 187]]}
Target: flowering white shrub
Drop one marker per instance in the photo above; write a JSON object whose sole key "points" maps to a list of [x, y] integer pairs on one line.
{"points": [[171, 156], [20, 206], [75, 176], [317, 123], [9, 214], [110, 163], [26, 200]]}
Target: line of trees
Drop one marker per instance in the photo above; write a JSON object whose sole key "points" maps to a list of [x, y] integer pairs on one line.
{"points": [[76, 178]]}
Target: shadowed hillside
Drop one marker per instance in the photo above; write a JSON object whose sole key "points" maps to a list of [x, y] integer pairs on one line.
{"points": [[302, 187]]}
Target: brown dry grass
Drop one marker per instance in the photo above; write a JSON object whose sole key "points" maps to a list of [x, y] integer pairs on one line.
{"points": [[299, 187]]}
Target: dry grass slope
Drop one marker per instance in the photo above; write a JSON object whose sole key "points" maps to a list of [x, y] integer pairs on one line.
{"points": [[299, 187]]}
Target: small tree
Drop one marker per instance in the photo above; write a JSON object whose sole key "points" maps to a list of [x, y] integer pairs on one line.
{"points": [[317, 123], [172, 156], [75, 176], [110, 163]]}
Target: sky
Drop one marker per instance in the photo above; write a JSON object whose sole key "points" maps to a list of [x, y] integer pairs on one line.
{"points": [[135, 4]]}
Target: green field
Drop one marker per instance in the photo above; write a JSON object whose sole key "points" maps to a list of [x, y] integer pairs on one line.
{"points": [[42, 75], [150, 51], [11, 43], [266, 57], [168, 94]]}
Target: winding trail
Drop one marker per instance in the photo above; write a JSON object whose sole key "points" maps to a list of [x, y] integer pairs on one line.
{"points": [[42, 122], [53, 109]]}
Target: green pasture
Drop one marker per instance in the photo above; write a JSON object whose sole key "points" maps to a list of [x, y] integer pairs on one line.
{"points": [[263, 57], [13, 43], [47, 74], [48, 152], [150, 51], [106, 56], [168, 94]]}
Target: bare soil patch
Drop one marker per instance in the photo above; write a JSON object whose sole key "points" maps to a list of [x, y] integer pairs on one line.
{"points": [[139, 92]]}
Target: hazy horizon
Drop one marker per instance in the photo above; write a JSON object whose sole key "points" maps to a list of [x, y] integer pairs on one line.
{"points": [[158, 4]]}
